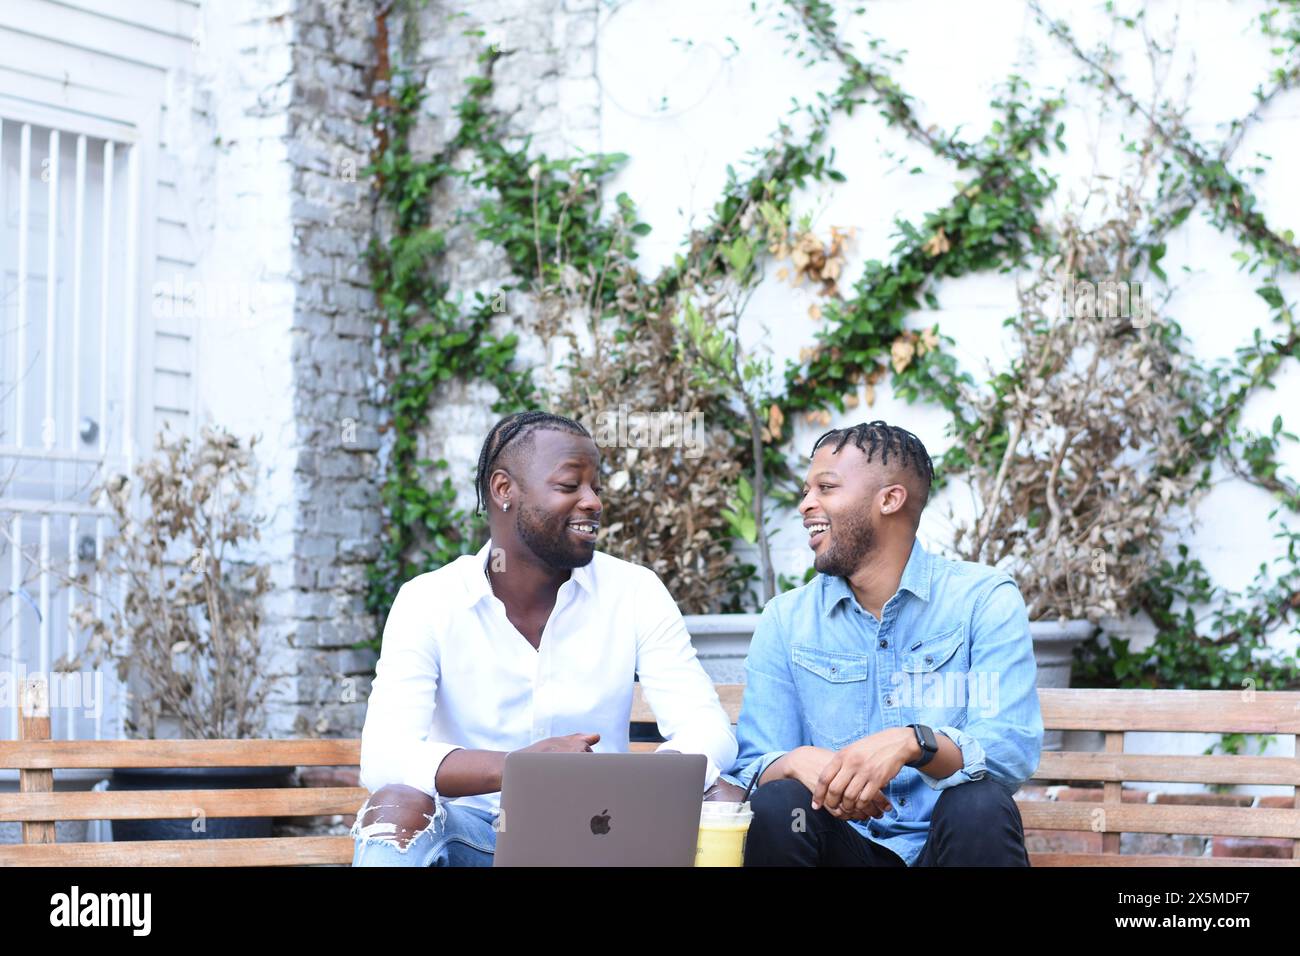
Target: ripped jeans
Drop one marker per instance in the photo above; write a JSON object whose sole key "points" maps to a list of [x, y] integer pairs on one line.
{"points": [[456, 836]]}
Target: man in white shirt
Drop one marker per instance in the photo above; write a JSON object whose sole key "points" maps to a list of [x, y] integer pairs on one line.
{"points": [[531, 644]]}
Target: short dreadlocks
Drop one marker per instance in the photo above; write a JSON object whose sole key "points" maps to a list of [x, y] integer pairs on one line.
{"points": [[520, 425], [888, 439]]}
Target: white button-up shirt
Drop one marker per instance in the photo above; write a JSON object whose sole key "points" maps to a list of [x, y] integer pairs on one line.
{"points": [[455, 673]]}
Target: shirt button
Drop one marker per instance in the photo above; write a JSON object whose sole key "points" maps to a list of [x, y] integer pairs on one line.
{"points": [[929, 658], [902, 801], [889, 700], [884, 643]]}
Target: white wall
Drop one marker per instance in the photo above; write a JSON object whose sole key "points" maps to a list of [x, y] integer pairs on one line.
{"points": [[243, 182], [723, 101], [731, 101]]}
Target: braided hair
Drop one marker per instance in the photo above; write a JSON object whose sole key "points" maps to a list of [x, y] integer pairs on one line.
{"points": [[511, 427], [870, 436]]}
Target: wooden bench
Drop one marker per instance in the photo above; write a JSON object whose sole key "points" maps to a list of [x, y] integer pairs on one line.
{"points": [[1112, 712]]}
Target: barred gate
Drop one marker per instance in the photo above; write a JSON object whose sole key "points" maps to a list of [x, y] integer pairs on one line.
{"points": [[69, 233]]}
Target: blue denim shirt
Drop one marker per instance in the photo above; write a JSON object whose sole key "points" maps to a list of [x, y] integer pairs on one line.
{"points": [[951, 650]]}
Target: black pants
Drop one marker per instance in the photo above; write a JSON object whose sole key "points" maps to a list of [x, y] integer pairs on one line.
{"points": [[974, 824]]}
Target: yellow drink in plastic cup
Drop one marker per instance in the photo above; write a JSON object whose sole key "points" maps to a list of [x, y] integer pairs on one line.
{"points": [[723, 827]]}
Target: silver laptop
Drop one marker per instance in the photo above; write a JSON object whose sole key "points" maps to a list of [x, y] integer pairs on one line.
{"points": [[594, 809]]}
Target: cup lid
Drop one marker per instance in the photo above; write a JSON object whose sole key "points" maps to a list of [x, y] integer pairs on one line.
{"points": [[725, 807]]}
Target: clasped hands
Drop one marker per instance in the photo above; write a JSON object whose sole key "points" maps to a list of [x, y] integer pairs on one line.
{"points": [[849, 783]]}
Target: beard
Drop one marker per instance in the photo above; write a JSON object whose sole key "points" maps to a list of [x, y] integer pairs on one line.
{"points": [[853, 539], [549, 540]]}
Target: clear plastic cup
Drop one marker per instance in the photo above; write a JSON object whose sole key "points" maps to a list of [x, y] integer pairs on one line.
{"points": [[723, 829]]}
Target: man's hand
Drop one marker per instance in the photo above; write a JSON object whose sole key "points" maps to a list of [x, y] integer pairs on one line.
{"points": [[724, 792], [571, 743], [851, 784], [805, 765]]}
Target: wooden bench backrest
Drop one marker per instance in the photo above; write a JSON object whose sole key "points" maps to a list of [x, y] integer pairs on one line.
{"points": [[1112, 712], [37, 806]]}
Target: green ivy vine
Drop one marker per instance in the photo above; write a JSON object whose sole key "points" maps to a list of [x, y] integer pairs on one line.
{"points": [[537, 205]]}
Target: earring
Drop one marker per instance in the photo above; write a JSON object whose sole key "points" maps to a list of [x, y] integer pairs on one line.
{"points": [[505, 506]]}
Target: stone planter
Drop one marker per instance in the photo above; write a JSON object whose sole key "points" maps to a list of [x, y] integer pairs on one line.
{"points": [[1054, 644], [722, 641]]}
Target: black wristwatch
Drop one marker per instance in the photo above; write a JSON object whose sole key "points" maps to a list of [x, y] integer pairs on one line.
{"points": [[925, 740]]}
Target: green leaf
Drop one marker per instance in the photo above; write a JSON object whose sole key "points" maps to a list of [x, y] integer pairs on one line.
{"points": [[739, 253], [1270, 294]]}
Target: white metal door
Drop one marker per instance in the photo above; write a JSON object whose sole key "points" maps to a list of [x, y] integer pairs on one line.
{"points": [[69, 226]]}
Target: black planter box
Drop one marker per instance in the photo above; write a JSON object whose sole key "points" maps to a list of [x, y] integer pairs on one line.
{"points": [[195, 778]]}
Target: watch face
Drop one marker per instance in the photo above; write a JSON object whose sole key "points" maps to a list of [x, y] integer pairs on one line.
{"points": [[925, 740], [925, 737]]}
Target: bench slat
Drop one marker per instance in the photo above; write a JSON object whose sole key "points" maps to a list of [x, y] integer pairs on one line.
{"points": [[180, 804], [338, 850], [1156, 768], [1189, 711], [261, 851], [1166, 768], [1115, 859], [1186, 711], [107, 754], [1160, 818], [1063, 709], [729, 695], [34, 723]]}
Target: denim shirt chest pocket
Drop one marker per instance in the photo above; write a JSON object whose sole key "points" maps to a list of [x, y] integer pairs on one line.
{"points": [[835, 691], [935, 674]]}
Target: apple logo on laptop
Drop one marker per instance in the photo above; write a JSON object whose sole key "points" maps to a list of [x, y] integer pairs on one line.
{"points": [[600, 823]]}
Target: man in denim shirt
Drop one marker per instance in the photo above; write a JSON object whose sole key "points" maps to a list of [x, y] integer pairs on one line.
{"points": [[890, 651]]}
